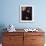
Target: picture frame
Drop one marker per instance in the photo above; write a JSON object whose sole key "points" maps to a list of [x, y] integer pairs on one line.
{"points": [[26, 13]]}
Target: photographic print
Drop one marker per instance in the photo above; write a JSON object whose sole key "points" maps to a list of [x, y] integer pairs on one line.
{"points": [[26, 13]]}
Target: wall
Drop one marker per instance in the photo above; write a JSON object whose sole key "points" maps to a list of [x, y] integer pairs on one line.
{"points": [[9, 13]]}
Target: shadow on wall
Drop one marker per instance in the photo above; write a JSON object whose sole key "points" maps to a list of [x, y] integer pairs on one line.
{"points": [[2, 26]]}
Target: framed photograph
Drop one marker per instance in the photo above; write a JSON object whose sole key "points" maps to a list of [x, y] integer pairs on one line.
{"points": [[26, 13]]}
